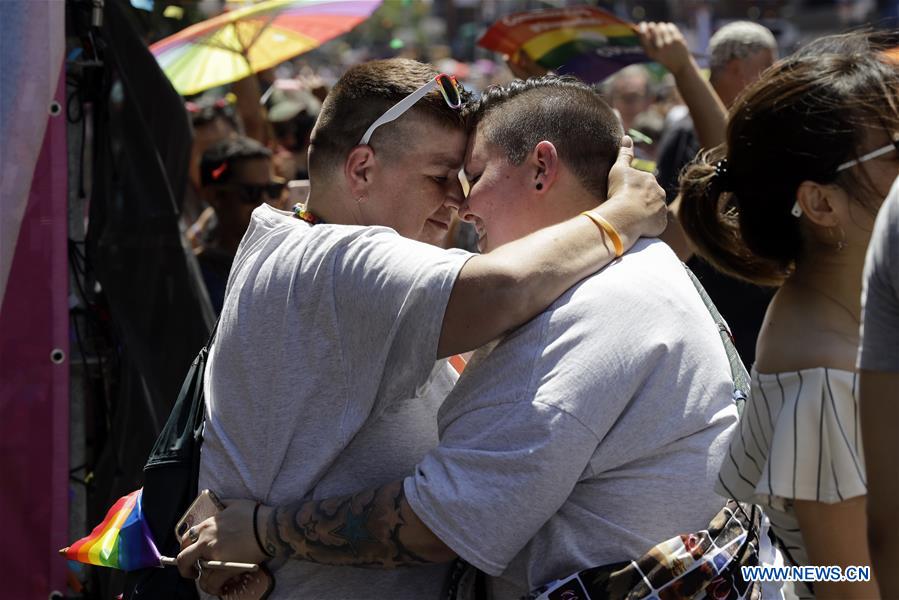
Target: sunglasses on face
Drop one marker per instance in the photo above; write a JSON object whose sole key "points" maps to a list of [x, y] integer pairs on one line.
{"points": [[252, 193], [448, 87]]}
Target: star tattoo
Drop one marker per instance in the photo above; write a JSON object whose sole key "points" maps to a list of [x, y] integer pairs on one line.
{"points": [[353, 528]]}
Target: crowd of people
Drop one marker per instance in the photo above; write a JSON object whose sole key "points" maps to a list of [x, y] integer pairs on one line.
{"points": [[473, 349]]}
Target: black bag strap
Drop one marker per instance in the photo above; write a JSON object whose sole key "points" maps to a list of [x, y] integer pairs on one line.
{"points": [[215, 328], [188, 413], [198, 406], [737, 369]]}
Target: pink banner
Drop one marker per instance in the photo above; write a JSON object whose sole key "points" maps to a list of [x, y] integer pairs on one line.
{"points": [[34, 381]]}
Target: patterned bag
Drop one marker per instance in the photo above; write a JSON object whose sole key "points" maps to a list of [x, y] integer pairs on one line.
{"points": [[706, 564]]}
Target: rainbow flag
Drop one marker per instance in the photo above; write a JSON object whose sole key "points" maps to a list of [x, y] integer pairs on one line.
{"points": [[122, 541], [583, 41]]}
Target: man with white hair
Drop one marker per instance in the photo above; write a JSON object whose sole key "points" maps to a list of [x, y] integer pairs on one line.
{"points": [[738, 53]]}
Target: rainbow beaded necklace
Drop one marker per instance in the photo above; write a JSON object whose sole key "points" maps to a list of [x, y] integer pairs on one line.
{"points": [[300, 212]]}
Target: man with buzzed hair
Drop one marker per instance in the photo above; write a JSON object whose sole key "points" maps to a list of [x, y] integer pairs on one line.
{"points": [[321, 379], [581, 439]]}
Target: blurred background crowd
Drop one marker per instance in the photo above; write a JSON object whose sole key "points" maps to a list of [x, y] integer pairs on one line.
{"points": [[154, 221]]}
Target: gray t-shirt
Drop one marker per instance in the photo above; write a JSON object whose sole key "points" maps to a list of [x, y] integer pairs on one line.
{"points": [[316, 383], [588, 435], [880, 300]]}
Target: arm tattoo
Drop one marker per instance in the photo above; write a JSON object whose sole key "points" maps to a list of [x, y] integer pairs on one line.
{"points": [[376, 528]]}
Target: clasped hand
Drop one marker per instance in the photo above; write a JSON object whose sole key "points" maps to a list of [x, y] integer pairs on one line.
{"points": [[227, 536]]}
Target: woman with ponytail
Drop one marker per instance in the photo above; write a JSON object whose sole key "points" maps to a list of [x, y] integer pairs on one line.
{"points": [[789, 201]]}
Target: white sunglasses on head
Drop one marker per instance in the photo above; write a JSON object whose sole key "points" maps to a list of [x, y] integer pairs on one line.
{"points": [[448, 87], [796, 211]]}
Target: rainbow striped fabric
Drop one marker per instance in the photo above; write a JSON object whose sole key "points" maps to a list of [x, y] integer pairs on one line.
{"points": [[584, 41], [122, 541], [247, 40]]}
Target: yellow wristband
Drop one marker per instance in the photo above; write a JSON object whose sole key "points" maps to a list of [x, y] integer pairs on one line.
{"points": [[607, 228]]}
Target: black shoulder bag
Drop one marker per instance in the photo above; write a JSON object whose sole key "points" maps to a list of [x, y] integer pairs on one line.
{"points": [[170, 485]]}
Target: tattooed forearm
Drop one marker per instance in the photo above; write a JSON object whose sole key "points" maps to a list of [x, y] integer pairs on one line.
{"points": [[376, 528]]}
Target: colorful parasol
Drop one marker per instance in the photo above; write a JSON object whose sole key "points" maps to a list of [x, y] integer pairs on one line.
{"points": [[584, 41], [240, 42]]}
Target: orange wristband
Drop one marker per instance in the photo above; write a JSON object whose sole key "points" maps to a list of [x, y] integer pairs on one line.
{"points": [[607, 228]]}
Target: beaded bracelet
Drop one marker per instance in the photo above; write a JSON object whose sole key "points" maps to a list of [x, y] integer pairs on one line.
{"points": [[608, 228]]}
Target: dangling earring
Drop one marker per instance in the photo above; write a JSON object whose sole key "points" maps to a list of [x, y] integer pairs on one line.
{"points": [[840, 242]]}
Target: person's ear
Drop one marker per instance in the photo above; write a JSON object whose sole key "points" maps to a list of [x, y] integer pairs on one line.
{"points": [[358, 169], [820, 203], [544, 161]]}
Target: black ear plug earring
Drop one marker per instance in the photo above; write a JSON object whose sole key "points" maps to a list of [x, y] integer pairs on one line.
{"points": [[539, 186]]}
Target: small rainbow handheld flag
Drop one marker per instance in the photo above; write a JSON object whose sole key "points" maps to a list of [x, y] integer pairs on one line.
{"points": [[584, 41], [122, 541]]}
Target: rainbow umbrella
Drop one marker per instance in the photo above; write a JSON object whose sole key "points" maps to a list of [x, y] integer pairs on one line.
{"points": [[584, 41], [241, 42], [122, 541]]}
